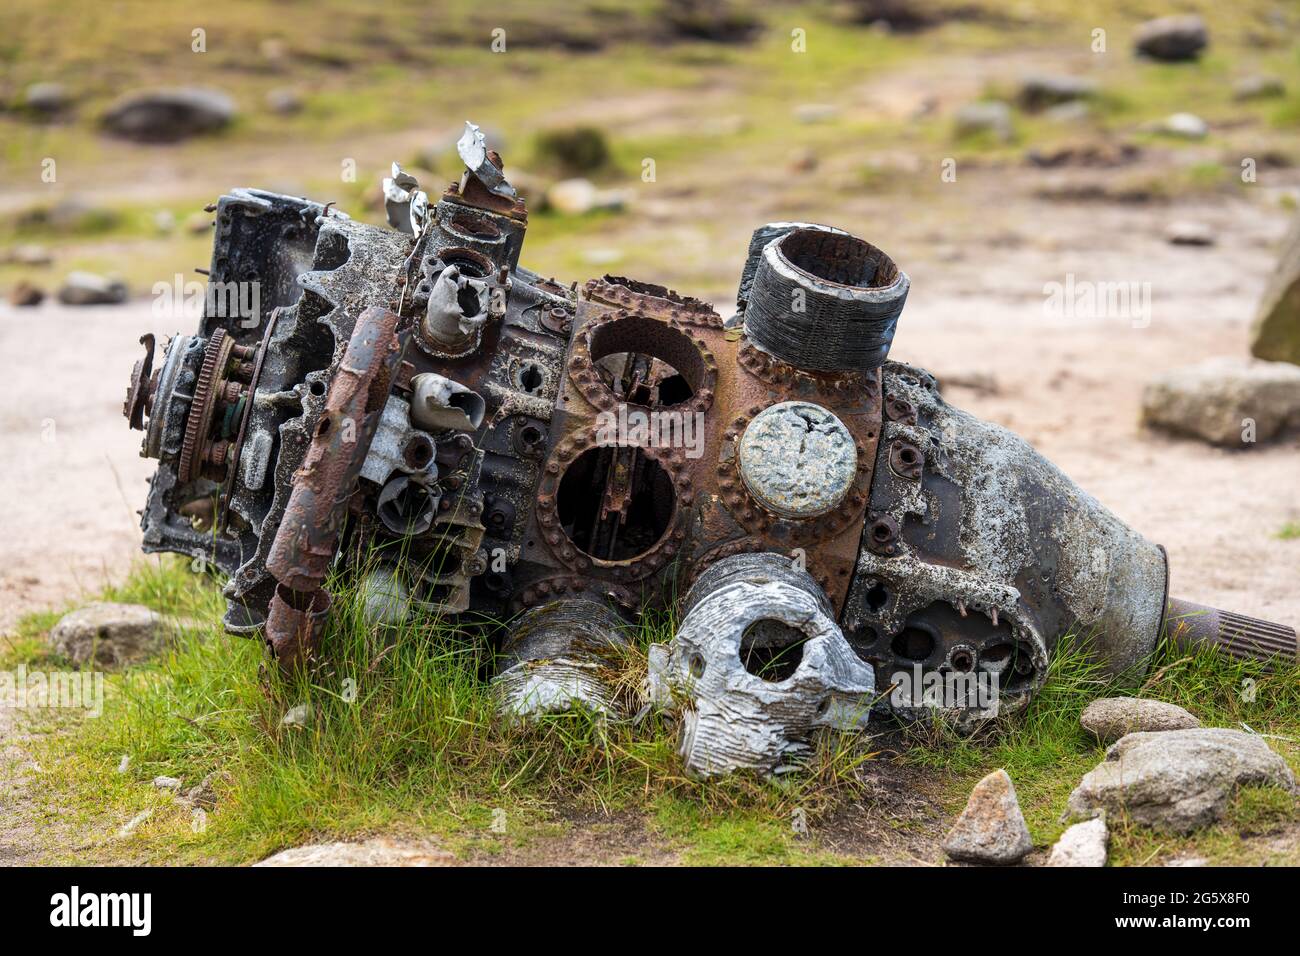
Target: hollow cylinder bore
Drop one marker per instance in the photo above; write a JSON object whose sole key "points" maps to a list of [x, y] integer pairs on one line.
{"points": [[825, 301]]}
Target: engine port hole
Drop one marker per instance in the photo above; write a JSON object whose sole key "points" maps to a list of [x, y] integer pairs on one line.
{"points": [[625, 352], [772, 649], [615, 503]]}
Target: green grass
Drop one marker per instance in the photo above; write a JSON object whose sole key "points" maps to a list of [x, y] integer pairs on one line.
{"points": [[403, 734], [404, 737], [1046, 752]]}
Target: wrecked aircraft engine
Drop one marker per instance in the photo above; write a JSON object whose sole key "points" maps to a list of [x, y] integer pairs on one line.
{"points": [[470, 436]]}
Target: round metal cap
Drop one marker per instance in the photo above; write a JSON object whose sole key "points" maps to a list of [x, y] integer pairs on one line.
{"points": [[797, 459]]}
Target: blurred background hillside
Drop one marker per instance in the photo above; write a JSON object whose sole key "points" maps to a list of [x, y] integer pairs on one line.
{"points": [[993, 149], [750, 112]]}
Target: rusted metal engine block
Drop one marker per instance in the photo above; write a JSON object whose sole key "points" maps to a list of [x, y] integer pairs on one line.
{"points": [[466, 435]]}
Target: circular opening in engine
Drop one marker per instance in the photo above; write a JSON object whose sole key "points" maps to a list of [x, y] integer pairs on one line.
{"points": [[772, 649], [913, 643], [614, 503], [645, 362], [839, 259]]}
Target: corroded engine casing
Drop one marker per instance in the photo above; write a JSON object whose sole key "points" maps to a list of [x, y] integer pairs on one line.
{"points": [[979, 554], [465, 435]]}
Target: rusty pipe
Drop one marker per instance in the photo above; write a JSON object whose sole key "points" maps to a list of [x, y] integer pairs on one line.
{"points": [[307, 538]]}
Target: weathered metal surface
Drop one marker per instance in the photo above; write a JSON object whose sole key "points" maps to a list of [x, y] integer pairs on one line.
{"points": [[541, 444], [797, 459], [758, 664], [562, 656]]}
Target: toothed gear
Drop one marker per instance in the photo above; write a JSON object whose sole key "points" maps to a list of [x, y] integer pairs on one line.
{"points": [[215, 356]]}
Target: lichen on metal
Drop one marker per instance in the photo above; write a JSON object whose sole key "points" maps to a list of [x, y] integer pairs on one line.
{"points": [[416, 409]]}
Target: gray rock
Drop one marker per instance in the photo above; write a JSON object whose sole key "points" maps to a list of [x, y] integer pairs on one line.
{"points": [[1040, 91], [992, 116], [576, 197], [109, 634], [284, 101], [1183, 232], [991, 829], [1275, 334], [169, 115], [46, 98], [1083, 844], [297, 716], [1067, 114], [22, 293], [1172, 39], [1225, 401], [29, 254], [86, 288], [377, 851], [202, 796], [1178, 780], [1183, 125], [1111, 718], [1258, 87], [167, 783]]}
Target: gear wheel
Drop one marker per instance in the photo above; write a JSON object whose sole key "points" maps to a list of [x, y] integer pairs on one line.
{"points": [[216, 355]]}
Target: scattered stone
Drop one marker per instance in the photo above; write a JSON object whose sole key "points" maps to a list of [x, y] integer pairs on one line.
{"points": [[46, 98], [1083, 844], [886, 16], [1275, 334], [130, 826], [169, 115], [124, 763], [23, 294], [1043, 90], [297, 716], [1110, 718], [577, 197], [1075, 111], [167, 783], [1258, 87], [86, 288], [816, 112], [109, 634], [1185, 233], [29, 254], [1172, 39], [1184, 125], [377, 851], [71, 215], [1090, 154], [1225, 401], [164, 220], [1178, 780], [284, 101], [993, 117], [201, 797], [991, 829]]}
